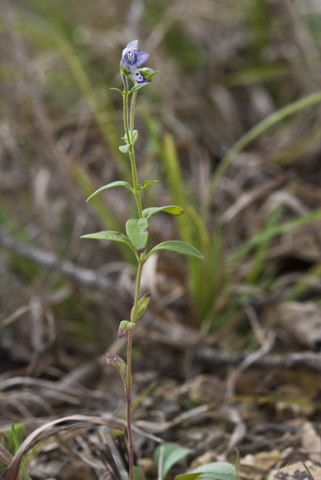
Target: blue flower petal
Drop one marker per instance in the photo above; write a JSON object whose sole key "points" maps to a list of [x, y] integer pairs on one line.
{"points": [[132, 45], [141, 58], [125, 64], [136, 75]]}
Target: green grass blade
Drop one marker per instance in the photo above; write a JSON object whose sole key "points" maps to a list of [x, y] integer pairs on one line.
{"points": [[309, 473], [261, 127], [273, 232], [262, 249], [16, 444]]}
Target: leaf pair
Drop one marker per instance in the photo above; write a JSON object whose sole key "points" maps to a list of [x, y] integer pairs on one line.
{"points": [[129, 142], [125, 326], [171, 245], [137, 229]]}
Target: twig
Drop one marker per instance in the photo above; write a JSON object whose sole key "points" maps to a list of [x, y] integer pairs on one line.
{"points": [[212, 356], [84, 277]]}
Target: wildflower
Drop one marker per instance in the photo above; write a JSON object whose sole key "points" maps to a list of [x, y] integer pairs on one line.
{"points": [[132, 59]]}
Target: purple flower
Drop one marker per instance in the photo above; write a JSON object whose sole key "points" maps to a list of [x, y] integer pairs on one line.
{"points": [[132, 59]]}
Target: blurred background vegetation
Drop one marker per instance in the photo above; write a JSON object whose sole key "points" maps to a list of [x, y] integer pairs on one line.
{"points": [[230, 127]]}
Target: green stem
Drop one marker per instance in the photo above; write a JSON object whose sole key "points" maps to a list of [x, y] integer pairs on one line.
{"points": [[125, 109], [135, 181], [130, 139], [129, 370], [130, 136], [132, 115]]}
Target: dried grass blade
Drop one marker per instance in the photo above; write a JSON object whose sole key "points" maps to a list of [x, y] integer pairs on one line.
{"points": [[13, 471]]}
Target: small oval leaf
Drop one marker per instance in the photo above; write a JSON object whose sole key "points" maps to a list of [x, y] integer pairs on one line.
{"points": [[124, 148], [117, 362], [111, 185], [177, 246], [135, 137], [147, 183], [148, 73], [172, 209], [137, 231], [124, 327], [141, 307]]}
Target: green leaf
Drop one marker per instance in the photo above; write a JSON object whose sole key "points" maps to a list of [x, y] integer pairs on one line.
{"points": [[217, 471], [111, 185], [166, 455], [251, 135], [19, 432], [148, 73], [147, 183], [137, 231], [113, 237], [109, 235], [273, 231], [177, 246], [218, 476], [124, 148], [117, 362], [124, 327], [141, 307], [135, 137], [172, 209], [17, 445], [135, 88], [117, 90], [138, 474]]}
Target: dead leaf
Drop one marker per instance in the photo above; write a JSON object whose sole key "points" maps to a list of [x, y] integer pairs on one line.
{"points": [[302, 321], [296, 471], [253, 467], [311, 441]]}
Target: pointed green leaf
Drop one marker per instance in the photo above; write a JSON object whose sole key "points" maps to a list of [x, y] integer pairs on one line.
{"points": [[117, 362], [135, 88], [124, 148], [141, 307], [166, 455], [135, 137], [124, 328], [217, 471], [172, 209], [177, 246], [113, 237], [109, 235], [148, 73], [116, 90], [147, 183], [111, 185], [137, 231]]}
